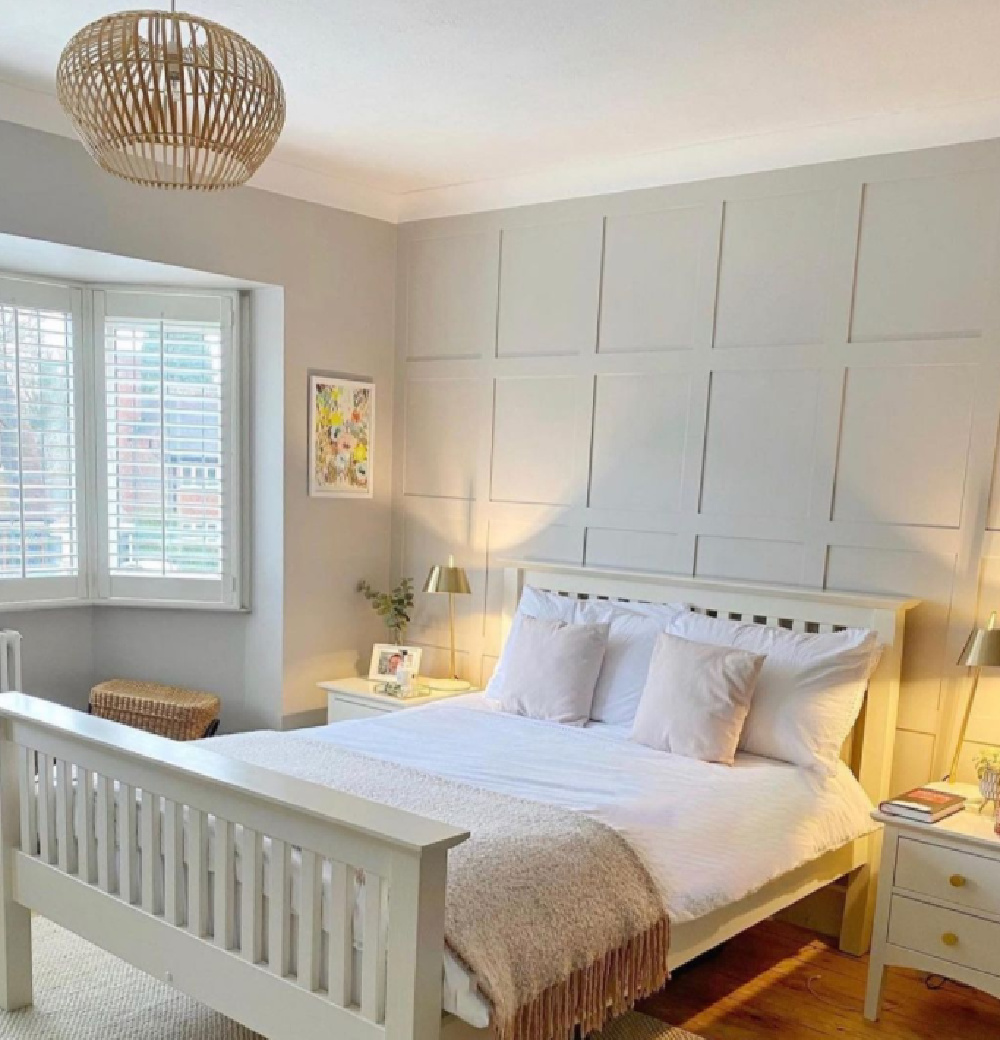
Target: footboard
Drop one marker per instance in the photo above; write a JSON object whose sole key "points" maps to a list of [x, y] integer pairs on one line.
{"points": [[132, 841]]}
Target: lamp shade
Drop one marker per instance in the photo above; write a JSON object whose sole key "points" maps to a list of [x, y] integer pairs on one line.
{"points": [[447, 579], [982, 648]]}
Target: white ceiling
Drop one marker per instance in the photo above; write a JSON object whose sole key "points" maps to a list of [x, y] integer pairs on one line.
{"points": [[411, 108]]}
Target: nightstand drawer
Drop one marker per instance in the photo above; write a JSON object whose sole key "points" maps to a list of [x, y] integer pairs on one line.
{"points": [[948, 934], [339, 710], [950, 875]]}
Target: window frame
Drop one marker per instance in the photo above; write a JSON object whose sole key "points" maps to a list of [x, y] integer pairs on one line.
{"points": [[94, 585]]}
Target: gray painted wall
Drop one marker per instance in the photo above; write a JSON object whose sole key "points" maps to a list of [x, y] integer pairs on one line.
{"points": [[336, 271], [790, 377]]}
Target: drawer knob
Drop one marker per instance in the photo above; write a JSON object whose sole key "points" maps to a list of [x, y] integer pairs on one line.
{"points": [[956, 881], [949, 939]]}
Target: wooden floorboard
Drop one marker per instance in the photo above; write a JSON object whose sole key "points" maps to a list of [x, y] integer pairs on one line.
{"points": [[777, 980]]}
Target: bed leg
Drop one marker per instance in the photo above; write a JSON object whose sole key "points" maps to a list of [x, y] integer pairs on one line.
{"points": [[859, 906], [15, 920]]}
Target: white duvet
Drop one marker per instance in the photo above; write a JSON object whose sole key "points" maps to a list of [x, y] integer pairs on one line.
{"points": [[709, 834]]}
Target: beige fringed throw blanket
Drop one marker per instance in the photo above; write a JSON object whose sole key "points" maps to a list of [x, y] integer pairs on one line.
{"points": [[551, 910]]}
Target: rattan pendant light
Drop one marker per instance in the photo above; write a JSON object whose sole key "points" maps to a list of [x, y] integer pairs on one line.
{"points": [[171, 100]]}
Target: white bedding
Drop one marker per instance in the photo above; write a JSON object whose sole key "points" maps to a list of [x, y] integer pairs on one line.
{"points": [[684, 817]]}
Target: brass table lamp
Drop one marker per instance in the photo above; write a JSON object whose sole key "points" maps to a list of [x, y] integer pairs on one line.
{"points": [[982, 650], [455, 582]]}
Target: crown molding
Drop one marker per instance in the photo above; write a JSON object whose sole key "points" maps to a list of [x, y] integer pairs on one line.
{"points": [[800, 146], [874, 135]]}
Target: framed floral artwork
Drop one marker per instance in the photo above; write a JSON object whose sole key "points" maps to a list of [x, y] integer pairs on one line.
{"points": [[341, 422]]}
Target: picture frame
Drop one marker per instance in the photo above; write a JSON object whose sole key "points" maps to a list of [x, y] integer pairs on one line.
{"points": [[341, 436], [383, 664]]}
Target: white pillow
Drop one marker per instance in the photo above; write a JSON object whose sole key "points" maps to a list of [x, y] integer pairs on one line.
{"points": [[810, 690], [541, 604], [549, 669], [632, 635], [696, 699]]}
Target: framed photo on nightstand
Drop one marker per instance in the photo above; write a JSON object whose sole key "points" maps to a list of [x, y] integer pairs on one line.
{"points": [[387, 658]]}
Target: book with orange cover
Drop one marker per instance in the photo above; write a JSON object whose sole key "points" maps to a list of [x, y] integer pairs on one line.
{"points": [[924, 804]]}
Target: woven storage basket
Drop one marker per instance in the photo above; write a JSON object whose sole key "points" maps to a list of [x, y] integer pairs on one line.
{"points": [[170, 711]]}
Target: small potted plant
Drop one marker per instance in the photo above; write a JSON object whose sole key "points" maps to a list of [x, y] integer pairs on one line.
{"points": [[392, 607], [988, 770]]}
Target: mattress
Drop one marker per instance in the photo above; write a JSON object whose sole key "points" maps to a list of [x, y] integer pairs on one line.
{"points": [[683, 817]]}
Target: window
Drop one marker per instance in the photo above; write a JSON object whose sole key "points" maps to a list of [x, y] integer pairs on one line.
{"points": [[156, 377]]}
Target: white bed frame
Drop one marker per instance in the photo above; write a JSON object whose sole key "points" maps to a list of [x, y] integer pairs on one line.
{"points": [[239, 961]]}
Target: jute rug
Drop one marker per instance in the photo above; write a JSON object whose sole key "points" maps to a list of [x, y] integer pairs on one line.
{"points": [[83, 993]]}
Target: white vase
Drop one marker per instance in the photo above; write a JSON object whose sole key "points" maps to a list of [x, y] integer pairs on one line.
{"points": [[989, 785]]}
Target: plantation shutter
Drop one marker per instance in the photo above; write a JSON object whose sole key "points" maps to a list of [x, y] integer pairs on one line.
{"points": [[40, 438], [167, 404]]}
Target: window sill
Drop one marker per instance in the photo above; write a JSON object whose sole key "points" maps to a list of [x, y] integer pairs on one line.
{"points": [[132, 604]]}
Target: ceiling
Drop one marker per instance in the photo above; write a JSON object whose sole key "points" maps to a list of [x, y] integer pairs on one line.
{"points": [[411, 108]]}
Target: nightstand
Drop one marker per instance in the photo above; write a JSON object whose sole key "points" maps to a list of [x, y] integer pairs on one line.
{"points": [[355, 698], [938, 906]]}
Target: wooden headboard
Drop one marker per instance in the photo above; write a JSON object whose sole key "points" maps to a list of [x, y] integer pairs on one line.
{"points": [[869, 750]]}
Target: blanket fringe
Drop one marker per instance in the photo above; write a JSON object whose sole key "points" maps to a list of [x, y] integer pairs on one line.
{"points": [[591, 996]]}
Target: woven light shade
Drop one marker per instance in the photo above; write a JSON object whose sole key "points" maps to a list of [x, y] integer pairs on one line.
{"points": [[170, 100]]}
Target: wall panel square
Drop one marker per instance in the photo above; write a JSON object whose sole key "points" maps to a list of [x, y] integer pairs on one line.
{"points": [[451, 296], [530, 536], [904, 444], [539, 440], [640, 430], [656, 551], [433, 529], [759, 445], [441, 437], [652, 266], [549, 286], [927, 576], [749, 559], [924, 257], [913, 761], [774, 270]]}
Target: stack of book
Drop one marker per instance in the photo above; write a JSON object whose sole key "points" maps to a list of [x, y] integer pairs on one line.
{"points": [[924, 805]]}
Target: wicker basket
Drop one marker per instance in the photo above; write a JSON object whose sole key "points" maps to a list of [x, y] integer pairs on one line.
{"points": [[170, 711]]}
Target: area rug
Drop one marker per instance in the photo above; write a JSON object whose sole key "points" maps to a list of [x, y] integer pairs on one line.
{"points": [[83, 993]]}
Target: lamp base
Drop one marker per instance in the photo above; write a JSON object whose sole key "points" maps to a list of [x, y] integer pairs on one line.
{"points": [[446, 685]]}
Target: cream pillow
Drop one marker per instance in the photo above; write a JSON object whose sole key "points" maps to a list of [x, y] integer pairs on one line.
{"points": [[810, 691], [696, 699], [548, 669]]}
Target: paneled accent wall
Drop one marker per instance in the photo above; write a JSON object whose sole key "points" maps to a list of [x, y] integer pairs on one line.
{"points": [[789, 377]]}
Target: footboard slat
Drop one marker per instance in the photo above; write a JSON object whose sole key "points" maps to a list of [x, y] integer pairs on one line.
{"points": [[309, 929], [128, 864], [198, 874], [28, 801], [373, 954], [224, 889], [46, 809], [339, 966], [86, 836], [150, 853], [65, 839], [173, 863], [105, 835], [252, 862], [279, 910]]}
